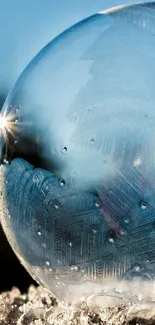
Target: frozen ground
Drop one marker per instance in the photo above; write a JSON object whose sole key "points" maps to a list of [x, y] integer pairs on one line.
{"points": [[38, 307]]}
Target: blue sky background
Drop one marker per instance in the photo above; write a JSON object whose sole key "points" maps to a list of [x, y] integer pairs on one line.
{"points": [[27, 25]]}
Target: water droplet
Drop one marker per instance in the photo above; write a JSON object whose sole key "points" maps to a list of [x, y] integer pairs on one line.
{"points": [[111, 240], [74, 268], [39, 233], [17, 110], [15, 141], [97, 205], [137, 162], [47, 263], [92, 141], [94, 231], [143, 205], [64, 149], [117, 290], [70, 244], [16, 120], [56, 207], [62, 182], [122, 232], [137, 268], [5, 161], [126, 220]]}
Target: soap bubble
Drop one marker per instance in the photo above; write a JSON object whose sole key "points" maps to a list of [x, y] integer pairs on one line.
{"points": [[78, 156]]}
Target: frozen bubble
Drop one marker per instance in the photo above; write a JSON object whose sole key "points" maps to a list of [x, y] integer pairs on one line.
{"points": [[78, 158]]}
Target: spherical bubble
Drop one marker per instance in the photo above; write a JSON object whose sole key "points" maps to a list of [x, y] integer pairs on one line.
{"points": [[78, 158]]}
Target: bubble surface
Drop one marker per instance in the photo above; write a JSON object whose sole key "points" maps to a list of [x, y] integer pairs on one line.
{"points": [[77, 156]]}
